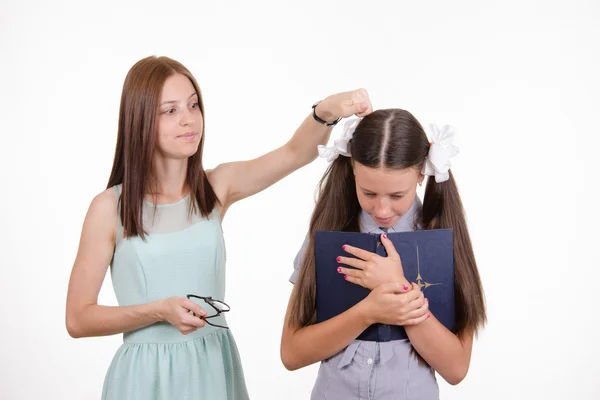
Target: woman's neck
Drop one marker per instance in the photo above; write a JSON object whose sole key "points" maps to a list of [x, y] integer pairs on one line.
{"points": [[168, 182]]}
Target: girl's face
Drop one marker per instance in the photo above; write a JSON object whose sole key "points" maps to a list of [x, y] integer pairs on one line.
{"points": [[179, 118], [386, 194]]}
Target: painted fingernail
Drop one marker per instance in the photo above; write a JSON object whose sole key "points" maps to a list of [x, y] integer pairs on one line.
{"points": [[426, 299], [338, 259], [345, 276], [405, 287], [344, 247], [339, 269], [428, 315], [384, 236]]}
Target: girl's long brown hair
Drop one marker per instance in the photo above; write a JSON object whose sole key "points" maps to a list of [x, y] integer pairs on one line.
{"points": [[393, 139], [136, 143]]}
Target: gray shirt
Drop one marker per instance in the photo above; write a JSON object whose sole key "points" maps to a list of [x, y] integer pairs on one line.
{"points": [[374, 370]]}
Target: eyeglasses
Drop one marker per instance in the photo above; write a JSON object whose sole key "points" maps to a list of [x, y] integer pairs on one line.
{"points": [[217, 305]]}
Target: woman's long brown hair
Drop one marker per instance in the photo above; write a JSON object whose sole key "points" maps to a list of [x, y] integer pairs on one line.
{"points": [[136, 143], [392, 139]]}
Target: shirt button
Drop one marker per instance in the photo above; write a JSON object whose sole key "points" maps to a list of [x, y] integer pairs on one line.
{"points": [[370, 361]]}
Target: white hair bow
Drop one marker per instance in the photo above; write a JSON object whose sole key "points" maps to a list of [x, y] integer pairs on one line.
{"points": [[340, 146], [440, 153]]}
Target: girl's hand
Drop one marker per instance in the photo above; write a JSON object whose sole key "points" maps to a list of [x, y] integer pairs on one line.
{"points": [[396, 304], [372, 269]]}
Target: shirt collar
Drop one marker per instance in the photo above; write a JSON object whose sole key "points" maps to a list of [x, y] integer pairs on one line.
{"points": [[404, 224]]}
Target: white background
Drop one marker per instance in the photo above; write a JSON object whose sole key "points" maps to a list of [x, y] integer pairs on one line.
{"points": [[518, 80]]}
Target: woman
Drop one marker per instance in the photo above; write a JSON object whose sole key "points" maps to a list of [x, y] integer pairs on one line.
{"points": [[158, 225]]}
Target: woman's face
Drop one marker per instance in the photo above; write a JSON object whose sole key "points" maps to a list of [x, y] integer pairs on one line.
{"points": [[179, 118]]}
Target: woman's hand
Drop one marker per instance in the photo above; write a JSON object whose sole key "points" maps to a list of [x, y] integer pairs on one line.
{"points": [[176, 311], [343, 105]]}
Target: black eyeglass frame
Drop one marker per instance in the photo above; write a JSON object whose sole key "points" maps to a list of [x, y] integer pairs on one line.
{"points": [[209, 300]]}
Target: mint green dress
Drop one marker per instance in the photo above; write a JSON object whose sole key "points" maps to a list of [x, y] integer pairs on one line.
{"points": [[181, 255]]}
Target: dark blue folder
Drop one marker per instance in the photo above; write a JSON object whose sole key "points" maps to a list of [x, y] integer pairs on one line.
{"points": [[427, 259]]}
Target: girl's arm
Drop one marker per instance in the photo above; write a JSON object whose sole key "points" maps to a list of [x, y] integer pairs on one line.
{"points": [[388, 304], [448, 354]]}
